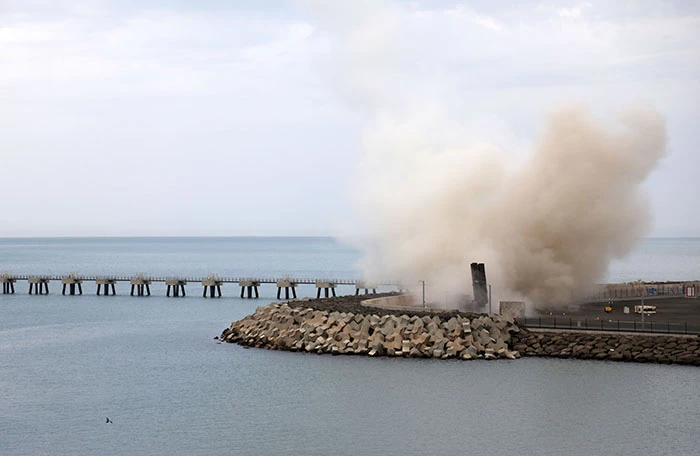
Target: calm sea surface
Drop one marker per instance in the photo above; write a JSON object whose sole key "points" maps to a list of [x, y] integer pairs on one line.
{"points": [[152, 366]]}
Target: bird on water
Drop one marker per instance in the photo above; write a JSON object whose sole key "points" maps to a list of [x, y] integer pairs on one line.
{"points": [[108, 420]]}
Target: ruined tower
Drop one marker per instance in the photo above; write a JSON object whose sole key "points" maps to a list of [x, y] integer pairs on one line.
{"points": [[481, 294]]}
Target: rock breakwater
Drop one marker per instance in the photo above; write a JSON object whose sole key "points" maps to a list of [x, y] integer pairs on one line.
{"points": [[612, 347], [343, 325], [281, 326]]}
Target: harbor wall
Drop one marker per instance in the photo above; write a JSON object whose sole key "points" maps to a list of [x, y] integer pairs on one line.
{"points": [[349, 326], [282, 327], [649, 348]]}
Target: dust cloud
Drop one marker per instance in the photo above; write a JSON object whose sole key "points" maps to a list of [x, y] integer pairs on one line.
{"points": [[546, 227], [434, 199]]}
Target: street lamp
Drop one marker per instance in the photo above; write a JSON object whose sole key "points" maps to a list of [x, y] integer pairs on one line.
{"points": [[490, 311], [643, 311], [423, 282]]}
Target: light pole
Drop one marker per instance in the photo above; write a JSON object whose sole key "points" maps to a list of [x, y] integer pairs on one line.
{"points": [[490, 311], [423, 282]]}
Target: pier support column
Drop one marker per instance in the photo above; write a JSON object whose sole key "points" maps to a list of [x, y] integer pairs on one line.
{"points": [[214, 286], [141, 285], [72, 282], [8, 284], [325, 286], [366, 286], [107, 283], [286, 284], [38, 285], [250, 286], [177, 286]]}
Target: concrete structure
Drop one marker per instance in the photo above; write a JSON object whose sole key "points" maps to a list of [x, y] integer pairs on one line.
{"points": [[250, 286], [286, 283], [632, 290], [513, 309], [177, 285], [72, 281], [107, 284], [141, 284], [39, 285], [362, 285], [297, 326], [325, 285], [398, 302], [479, 284], [8, 284], [641, 348], [214, 285]]}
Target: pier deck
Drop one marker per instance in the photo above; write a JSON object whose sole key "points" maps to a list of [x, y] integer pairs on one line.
{"points": [[140, 283]]}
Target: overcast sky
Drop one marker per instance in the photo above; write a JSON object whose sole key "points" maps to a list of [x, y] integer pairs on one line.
{"points": [[161, 117]]}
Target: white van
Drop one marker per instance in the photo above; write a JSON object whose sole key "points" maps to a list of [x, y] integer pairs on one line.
{"points": [[647, 309]]}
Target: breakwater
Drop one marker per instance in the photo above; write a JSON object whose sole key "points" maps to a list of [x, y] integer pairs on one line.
{"points": [[348, 325], [613, 347]]}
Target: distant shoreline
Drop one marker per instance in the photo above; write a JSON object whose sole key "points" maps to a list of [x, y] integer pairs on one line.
{"points": [[248, 236], [69, 237]]}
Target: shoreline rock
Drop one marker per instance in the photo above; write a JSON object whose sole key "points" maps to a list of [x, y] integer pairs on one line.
{"points": [[342, 326], [284, 327], [609, 346]]}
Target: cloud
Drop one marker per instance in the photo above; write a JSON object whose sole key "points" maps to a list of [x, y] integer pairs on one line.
{"points": [[438, 193], [148, 52], [153, 78]]}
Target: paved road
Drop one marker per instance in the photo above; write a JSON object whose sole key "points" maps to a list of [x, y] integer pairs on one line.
{"points": [[676, 310], [676, 314]]}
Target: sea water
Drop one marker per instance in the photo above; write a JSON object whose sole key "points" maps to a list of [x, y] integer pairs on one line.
{"points": [[153, 367]]}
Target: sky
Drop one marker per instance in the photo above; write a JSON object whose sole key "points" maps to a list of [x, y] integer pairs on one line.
{"points": [[175, 118]]}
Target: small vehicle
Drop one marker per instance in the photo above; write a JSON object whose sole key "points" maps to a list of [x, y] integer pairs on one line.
{"points": [[608, 309], [647, 309]]}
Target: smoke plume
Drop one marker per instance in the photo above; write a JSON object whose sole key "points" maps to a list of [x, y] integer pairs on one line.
{"points": [[435, 200], [547, 227]]}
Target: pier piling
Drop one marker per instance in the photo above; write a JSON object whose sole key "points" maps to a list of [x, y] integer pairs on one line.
{"points": [[286, 284], [38, 285], [365, 286], [249, 286], [214, 285], [72, 281], [177, 286], [107, 283], [8, 284], [141, 285], [325, 286]]}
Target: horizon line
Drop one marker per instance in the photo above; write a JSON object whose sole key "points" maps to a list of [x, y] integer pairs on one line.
{"points": [[242, 236]]}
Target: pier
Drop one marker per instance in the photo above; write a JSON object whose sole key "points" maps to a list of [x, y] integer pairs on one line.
{"points": [[178, 287], [71, 281], [40, 285], [175, 286], [287, 284], [107, 283], [214, 284], [72, 284], [8, 284], [141, 284]]}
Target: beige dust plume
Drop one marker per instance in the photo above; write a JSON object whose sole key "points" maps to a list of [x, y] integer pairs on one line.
{"points": [[547, 227]]}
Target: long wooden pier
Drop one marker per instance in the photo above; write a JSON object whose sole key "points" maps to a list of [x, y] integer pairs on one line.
{"points": [[72, 284]]}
